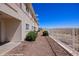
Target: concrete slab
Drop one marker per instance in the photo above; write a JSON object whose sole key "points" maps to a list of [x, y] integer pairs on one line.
{"points": [[7, 47]]}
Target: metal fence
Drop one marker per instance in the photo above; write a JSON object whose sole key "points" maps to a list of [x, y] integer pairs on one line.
{"points": [[69, 37]]}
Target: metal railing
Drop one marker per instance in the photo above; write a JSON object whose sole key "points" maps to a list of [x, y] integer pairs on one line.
{"points": [[69, 39]]}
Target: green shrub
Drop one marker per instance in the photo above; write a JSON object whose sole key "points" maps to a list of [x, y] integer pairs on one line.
{"points": [[36, 32], [45, 33], [31, 36]]}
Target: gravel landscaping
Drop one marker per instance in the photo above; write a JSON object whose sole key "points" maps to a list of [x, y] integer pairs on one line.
{"points": [[40, 47]]}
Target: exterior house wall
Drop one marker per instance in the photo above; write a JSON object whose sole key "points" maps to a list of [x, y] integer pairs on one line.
{"points": [[15, 27], [13, 30], [36, 26], [2, 31]]}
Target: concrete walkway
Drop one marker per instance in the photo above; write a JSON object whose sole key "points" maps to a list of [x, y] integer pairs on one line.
{"points": [[41, 47]]}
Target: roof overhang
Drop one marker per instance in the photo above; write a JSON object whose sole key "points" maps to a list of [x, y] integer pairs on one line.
{"points": [[29, 5]]}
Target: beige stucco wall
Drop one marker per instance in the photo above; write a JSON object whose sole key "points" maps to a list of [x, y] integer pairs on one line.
{"points": [[2, 31], [13, 30], [36, 26], [10, 30], [16, 26]]}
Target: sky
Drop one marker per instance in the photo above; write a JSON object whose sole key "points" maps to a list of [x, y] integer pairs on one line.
{"points": [[57, 15]]}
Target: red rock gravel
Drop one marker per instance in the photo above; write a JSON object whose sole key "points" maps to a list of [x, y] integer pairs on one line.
{"points": [[40, 47]]}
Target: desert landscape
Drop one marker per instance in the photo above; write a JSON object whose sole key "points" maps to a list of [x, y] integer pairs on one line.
{"points": [[69, 36]]}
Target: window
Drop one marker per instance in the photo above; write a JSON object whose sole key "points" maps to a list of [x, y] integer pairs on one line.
{"points": [[33, 27], [27, 26]]}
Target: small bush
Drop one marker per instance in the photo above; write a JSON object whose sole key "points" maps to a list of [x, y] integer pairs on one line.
{"points": [[45, 33], [31, 36], [36, 32]]}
